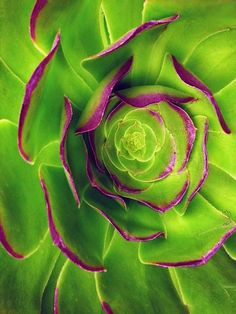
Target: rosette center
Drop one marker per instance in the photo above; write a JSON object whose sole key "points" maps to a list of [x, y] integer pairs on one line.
{"points": [[134, 141]]}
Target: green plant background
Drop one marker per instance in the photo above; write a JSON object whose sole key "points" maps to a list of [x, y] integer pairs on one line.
{"points": [[203, 39]]}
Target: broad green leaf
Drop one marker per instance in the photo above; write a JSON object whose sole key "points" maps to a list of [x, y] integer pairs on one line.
{"points": [[17, 50], [162, 194], [226, 97], [77, 21], [230, 246], [220, 190], [218, 142], [135, 222], [138, 43], [44, 96], [210, 64], [47, 300], [23, 216], [76, 291], [131, 287], [122, 16], [210, 288], [196, 23], [191, 239], [78, 232], [197, 164], [11, 90], [182, 129], [141, 96], [22, 283], [93, 112]]}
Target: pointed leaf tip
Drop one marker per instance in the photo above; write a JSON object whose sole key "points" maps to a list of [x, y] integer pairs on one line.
{"points": [[39, 5], [29, 91], [7, 246], [58, 241], [191, 80], [132, 34], [94, 111], [68, 118]]}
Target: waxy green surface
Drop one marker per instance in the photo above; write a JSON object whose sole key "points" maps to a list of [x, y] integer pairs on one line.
{"points": [[42, 278]]}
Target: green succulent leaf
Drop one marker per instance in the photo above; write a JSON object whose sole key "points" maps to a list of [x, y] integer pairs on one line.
{"points": [[135, 222], [41, 88], [10, 102], [16, 47], [191, 239], [94, 110], [19, 292], [23, 222], [158, 195], [154, 283], [198, 163], [219, 280], [221, 184], [65, 220], [122, 16], [127, 122], [75, 290], [127, 46], [47, 300], [230, 247]]}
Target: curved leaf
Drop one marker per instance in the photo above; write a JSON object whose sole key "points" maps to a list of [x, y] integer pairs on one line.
{"points": [[76, 291], [142, 289], [192, 239], [19, 293], [135, 222], [44, 95], [69, 225], [218, 276], [23, 221]]}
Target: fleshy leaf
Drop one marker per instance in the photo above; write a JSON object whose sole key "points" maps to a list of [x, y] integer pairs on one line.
{"points": [[151, 286], [67, 16], [72, 228], [101, 63], [230, 246], [75, 291], [192, 80], [122, 179], [220, 190], [192, 239], [17, 50], [198, 163], [122, 16], [182, 129], [10, 102], [136, 222], [23, 221], [101, 181], [63, 152], [44, 95], [47, 300], [94, 110], [197, 22], [163, 164], [215, 143], [226, 98], [141, 96], [214, 63], [19, 292], [159, 195], [219, 276]]}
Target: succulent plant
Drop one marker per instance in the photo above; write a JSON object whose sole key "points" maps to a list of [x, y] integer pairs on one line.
{"points": [[118, 156]]}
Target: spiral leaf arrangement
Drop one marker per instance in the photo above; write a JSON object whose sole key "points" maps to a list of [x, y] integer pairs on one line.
{"points": [[121, 154]]}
